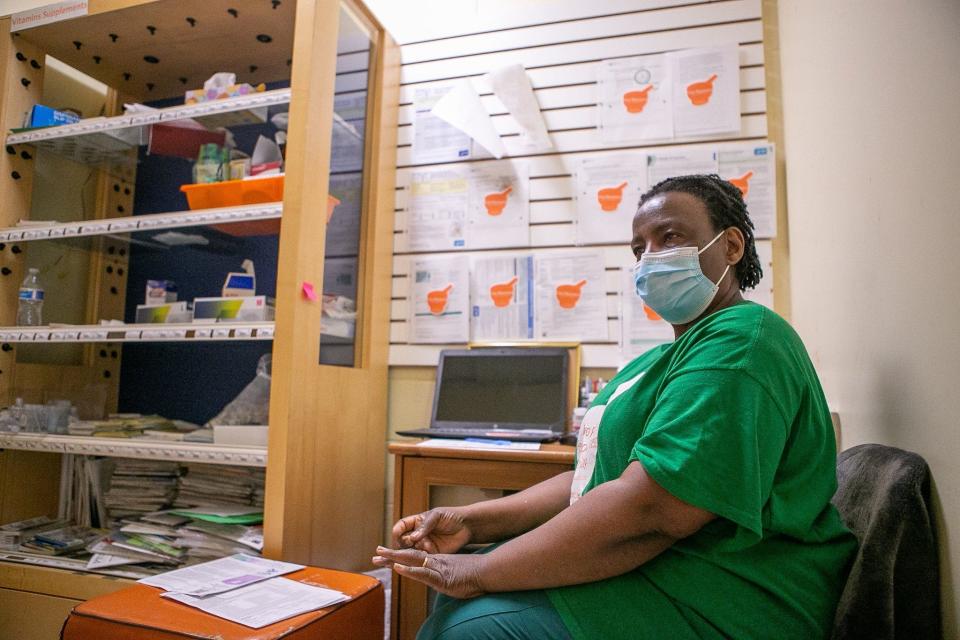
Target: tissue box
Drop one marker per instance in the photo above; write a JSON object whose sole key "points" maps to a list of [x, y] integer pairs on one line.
{"points": [[247, 309], [41, 116], [163, 313]]}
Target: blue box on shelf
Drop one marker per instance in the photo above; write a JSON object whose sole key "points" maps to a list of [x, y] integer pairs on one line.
{"points": [[42, 116]]}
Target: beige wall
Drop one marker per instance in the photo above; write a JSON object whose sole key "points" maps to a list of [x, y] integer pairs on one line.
{"points": [[871, 95]]}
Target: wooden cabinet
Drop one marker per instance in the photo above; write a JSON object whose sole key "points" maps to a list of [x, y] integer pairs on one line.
{"points": [[325, 454]]}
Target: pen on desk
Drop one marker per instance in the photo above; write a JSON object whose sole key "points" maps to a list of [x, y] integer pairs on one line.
{"points": [[499, 443]]}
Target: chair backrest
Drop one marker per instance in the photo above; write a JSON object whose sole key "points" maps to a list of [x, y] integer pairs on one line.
{"points": [[893, 590]]}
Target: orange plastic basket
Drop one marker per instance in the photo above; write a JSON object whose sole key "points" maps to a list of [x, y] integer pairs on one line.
{"points": [[233, 193]]}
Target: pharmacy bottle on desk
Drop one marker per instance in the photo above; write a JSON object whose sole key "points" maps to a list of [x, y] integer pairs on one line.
{"points": [[30, 300]]}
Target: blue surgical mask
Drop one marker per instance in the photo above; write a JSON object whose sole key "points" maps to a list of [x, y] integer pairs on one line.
{"points": [[672, 283]]}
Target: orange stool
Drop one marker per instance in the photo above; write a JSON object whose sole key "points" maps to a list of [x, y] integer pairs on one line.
{"points": [[139, 613]]}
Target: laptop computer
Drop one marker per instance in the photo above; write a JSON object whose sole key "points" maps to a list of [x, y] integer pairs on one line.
{"points": [[519, 394]]}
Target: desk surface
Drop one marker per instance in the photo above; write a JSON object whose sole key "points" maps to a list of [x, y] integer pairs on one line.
{"points": [[555, 453]]}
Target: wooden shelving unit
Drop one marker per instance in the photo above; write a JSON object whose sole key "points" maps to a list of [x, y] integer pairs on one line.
{"points": [[325, 478]]}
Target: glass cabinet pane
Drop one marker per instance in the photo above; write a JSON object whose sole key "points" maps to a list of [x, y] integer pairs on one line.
{"points": [[342, 266]]}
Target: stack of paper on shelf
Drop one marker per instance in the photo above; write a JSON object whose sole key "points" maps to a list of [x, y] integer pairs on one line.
{"points": [[209, 485], [61, 541], [141, 486], [82, 483], [207, 540], [13, 533]]}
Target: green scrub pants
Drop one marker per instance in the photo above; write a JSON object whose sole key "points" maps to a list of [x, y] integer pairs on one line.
{"points": [[517, 615]]}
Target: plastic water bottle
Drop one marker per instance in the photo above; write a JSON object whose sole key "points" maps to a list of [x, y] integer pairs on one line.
{"points": [[30, 300]]}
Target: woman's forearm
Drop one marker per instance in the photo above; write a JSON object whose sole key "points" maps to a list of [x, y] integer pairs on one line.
{"points": [[502, 518], [612, 529]]}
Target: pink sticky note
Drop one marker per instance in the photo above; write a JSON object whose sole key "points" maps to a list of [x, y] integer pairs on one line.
{"points": [[308, 291]]}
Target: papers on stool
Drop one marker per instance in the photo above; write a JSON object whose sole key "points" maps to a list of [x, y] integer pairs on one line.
{"points": [[217, 576], [244, 589], [265, 602]]}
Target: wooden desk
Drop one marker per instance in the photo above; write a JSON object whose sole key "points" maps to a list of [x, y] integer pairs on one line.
{"points": [[419, 468]]}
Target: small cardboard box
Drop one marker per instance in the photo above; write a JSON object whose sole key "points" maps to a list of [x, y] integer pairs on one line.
{"points": [[248, 435], [163, 313], [41, 116], [246, 309]]}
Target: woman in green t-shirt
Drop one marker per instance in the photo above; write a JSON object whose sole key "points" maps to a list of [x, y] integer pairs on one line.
{"points": [[700, 502]]}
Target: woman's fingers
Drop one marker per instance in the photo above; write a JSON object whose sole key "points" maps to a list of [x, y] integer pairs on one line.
{"points": [[408, 557], [427, 525]]}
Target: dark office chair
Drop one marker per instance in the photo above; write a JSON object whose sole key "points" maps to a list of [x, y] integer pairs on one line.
{"points": [[893, 592]]}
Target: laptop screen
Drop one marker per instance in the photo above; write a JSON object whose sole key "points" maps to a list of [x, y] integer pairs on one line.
{"points": [[508, 388]]}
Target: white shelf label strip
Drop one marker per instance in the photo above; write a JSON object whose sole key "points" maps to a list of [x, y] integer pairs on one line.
{"points": [[142, 333], [173, 220], [138, 448]]}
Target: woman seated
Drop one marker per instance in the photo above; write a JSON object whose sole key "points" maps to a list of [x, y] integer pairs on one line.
{"points": [[699, 506]]}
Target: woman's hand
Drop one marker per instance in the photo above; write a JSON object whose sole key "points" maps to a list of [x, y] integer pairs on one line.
{"points": [[457, 576], [436, 531]]}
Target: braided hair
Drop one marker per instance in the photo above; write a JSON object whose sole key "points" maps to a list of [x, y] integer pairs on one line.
{"points": [[726, 208]]}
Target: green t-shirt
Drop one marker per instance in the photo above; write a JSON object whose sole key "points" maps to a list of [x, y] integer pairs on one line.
{"points": [[729, 418]]}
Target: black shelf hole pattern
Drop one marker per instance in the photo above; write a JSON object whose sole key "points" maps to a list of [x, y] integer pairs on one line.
{"points": [[289, 61], [127, 76], [192, 21], [21, 57], [97, 59], [3, 246], [103, 353], [7, 347], [11, 150], [151, 59], [109, 269], [114, 291], [275, 3], [25, 82], [113, 37], [150, 86], [120, 208], [106, 374], [34, 64], [15, 249], [233, 12], [77, 44], [114, 354], [116, 188], [6, 271], [253, 68], [264, 38], [152, 29], [15, 175], [182, 80], [111, 250], [126, 191], [120, 271], [123, 252], [26, 155]]}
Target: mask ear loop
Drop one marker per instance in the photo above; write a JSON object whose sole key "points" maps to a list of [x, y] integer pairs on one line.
{"points": [[709, 244]]}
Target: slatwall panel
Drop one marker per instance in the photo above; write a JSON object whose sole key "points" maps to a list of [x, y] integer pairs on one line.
{"points": [[560, 47]]}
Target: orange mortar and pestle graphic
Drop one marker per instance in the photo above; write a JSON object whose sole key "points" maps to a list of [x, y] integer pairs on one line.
{"points": [[610, 197], [438, 298], [502, 293], [635, 101], [568, 295], [651, 314], [331, 205], [700, 92], [495, 202], [742, 183]]}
